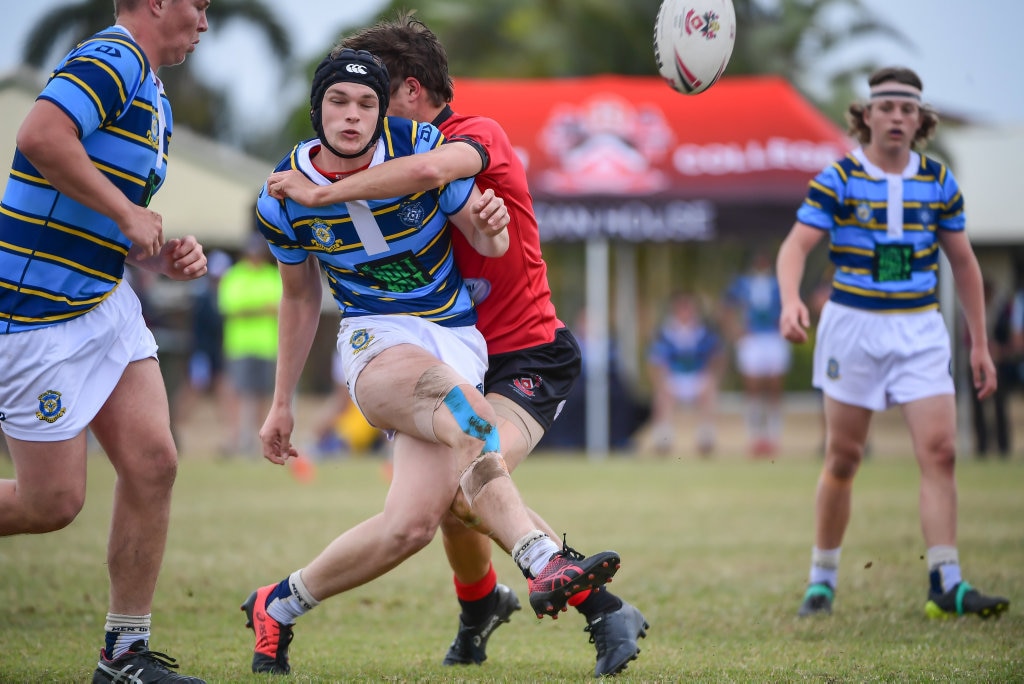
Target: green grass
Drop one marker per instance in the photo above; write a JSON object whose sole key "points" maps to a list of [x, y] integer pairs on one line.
{"points": [[715, 553]]}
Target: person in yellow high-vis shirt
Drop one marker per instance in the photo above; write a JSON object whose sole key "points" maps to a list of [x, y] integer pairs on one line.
{"points": [[249, 295]]}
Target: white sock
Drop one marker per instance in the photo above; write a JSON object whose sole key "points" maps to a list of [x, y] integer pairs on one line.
{"points": [[533, 551], [287, 610], [127, 629], [824, 566], [772, 422], [946, 561], [752, 415]]}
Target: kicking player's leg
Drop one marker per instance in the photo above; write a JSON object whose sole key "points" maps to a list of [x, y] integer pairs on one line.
{"points": [[485, 604]]}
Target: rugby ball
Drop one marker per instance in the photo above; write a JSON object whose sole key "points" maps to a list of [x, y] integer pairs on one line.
{"points": [[693, 41]]}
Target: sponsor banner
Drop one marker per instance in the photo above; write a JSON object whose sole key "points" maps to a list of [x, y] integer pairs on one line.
{"points": [[636, 142]]}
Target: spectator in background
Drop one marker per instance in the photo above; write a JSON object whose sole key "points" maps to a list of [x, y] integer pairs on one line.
{"points": [[685, 361], [627, 412], [206, 345], [341, 429], [250, 292], [1001, 347], [1016, 330], [763, 355]]}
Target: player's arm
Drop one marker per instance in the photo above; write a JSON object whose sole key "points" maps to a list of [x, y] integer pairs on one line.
{"points": [[456, 158], [970, 289], [789, 269], [298, 318], [49, 140], [484, 220]]}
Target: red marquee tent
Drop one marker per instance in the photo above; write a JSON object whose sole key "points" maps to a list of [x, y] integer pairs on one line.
{"points": [[617, 158], [629, 158]]}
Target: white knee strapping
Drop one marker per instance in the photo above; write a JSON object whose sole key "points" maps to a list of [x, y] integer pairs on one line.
{"points": [[484, 469]]}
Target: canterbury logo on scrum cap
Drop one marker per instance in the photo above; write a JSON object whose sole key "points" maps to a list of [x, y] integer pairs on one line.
{"points": [[356, 69]]}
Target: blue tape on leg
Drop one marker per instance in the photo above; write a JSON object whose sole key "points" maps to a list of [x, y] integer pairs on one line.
{"points": [[472, 424]]}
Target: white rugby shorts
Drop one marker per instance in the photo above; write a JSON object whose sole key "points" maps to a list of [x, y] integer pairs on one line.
{"points": [[763, 355], [688, 387], [56, 379], [362, 338], [877, 360]]}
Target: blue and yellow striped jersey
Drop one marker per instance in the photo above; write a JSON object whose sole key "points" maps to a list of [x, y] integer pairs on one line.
{"points": [[389, 256], [759, 298], [58, 258], [684, 349], [876, 267]]}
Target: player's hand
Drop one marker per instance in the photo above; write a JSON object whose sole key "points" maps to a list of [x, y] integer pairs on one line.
{"points": [[794, 321], [292, 185], [489, 214], [983, 372], [178, 259], [276, 435], [184, 258], [145, 229]]}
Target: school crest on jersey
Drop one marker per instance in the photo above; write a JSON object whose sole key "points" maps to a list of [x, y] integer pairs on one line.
{"points": [[360, 340], [323, 235], [926, 217], [50, 407], [863, 212], [411, 213], [154, 130]]}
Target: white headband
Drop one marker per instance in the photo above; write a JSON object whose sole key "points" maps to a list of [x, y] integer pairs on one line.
{"points": [[891, 90]]}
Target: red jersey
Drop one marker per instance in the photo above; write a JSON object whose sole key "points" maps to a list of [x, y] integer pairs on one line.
{"points": [[517, 313]]}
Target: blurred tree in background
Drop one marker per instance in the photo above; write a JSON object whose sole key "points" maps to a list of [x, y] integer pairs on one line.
{"points": [[555, 38], [501, 39]]}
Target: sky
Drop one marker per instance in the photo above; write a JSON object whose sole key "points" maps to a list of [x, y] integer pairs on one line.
{"points": [[969, 55]]}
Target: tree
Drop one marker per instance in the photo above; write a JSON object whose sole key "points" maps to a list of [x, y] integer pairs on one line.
{"points": [[197, 105], [793, 38]]}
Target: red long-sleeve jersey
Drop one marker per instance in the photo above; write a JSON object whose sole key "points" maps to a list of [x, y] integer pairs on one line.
{"points": [[518, 312]]}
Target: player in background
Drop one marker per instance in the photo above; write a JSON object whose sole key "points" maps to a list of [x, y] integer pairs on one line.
{"points": [[887, 210], [763, 355], [75, 351], [685, 361], [413, 359], [533, 357]]}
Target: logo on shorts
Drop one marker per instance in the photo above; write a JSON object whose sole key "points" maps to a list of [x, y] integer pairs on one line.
{"points": [[50, 408], [832, 370], [527, 385], [360, 340]]}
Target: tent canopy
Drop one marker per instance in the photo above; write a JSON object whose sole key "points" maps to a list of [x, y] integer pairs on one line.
{"points": [[984, 160], [629, 158], [210, 190]]}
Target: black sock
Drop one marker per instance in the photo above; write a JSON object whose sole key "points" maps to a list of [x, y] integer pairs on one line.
{"points": [[599, 602], [475, 612]]}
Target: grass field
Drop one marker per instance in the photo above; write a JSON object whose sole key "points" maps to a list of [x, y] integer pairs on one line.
{"points": [[714, 552]]}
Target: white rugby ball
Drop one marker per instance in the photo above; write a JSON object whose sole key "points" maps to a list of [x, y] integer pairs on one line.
{"points": [[693, 41]]}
